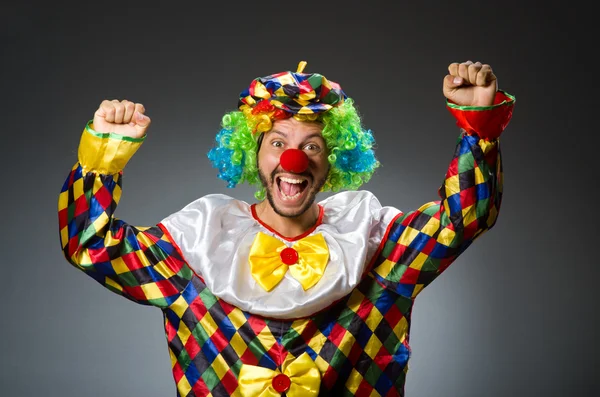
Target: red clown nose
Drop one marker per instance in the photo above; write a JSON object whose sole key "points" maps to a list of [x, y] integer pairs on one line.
{"points": [[294, 160]]}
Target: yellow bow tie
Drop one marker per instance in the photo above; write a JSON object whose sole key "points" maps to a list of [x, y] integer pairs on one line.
{"points": [[299, 378], [270, 259]]}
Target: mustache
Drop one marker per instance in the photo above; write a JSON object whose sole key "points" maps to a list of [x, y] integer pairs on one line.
{"points": [[278, 170]]}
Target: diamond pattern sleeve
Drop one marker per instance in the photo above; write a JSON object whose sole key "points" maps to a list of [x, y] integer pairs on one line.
{"points": [[140, 263], [421, 244]]}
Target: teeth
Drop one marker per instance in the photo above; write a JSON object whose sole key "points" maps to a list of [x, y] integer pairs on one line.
{"points": [[286, 197], [290, 180], [293, 181]]}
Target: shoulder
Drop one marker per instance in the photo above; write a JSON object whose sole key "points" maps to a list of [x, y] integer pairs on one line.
{"points": [[350, 204], [209, 208]]}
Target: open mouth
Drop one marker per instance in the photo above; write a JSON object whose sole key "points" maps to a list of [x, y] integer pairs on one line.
{"points": [[291, 188]]}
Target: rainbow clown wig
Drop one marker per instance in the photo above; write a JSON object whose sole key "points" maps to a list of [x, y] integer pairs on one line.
{"points": [[306, 97]]}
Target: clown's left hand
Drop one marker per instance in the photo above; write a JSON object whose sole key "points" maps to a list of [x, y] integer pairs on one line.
{"points": [[470, 84]]}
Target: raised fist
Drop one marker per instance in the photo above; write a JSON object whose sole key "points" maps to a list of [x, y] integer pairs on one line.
{"points": [[470, 84], [121, 117]]}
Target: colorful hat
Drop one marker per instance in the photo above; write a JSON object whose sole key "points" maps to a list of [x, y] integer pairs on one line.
{"points": [[293, 93]]}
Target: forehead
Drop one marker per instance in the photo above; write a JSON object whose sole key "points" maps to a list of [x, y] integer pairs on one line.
{"points": [[292, 128]]}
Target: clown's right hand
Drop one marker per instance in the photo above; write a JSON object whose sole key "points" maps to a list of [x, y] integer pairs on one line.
{"points": [[121, 117]]}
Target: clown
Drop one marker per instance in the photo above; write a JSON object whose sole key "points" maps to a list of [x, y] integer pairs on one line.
{"points": [[287, 296]]}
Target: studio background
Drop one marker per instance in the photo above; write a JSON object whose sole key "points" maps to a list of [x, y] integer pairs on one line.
{"points": [[515, 315]]}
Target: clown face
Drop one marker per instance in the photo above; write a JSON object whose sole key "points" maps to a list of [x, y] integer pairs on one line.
{"points": [[291, 192]]}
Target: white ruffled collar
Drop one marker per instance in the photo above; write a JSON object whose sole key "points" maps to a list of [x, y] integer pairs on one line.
{"points": [[215, 233]]}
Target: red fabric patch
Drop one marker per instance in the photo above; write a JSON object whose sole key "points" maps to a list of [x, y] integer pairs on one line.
{"points": [[355, 353], [132, 261], [410, 276], [98, 255], [453, 168], [229, 382], [136, 293], [200, 388], [305, 87], [256, 324], [192, 347], [170, 331], [364, 309], [429, 246], [219, 340], [198, 308], [73, 245], [470, 229], [174, 264], [251, 88], [227, 308], [364, 389], [444, 263], [382, 360], [167, 288], [177, 372], [248, 358], [393, 393], [396, 252], [278, 353], [467, 197], [81, 205], [330, 377], [72, 178], [309, 331], [337, 334], [63, 217], [407, 221], [393, 316], [103, 197]]}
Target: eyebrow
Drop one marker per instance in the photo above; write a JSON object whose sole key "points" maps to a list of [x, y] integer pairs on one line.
{"points": [[314, 135], [280, 133]]}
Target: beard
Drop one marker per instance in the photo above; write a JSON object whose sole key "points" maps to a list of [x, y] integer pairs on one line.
{"points": [[310, 198]]}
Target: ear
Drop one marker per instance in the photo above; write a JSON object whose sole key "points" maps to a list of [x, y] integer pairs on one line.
{"points": [[259, 142]]}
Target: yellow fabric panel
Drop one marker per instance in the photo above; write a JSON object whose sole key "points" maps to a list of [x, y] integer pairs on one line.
{"points": [[373, 346], [373, 319], [408, 235], [105, 153], [446, 236], [432, 226], [111, 282], [183, 386], [385, 268], [238, 344], [417, 263], [452, 185]]}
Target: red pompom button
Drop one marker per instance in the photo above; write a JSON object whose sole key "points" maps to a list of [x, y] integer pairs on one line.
{"points": [[294, 160], [289, 256], [281, 383]]}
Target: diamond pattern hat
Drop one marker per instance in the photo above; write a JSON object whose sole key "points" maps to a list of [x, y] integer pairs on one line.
{"points": [[293, 93]]}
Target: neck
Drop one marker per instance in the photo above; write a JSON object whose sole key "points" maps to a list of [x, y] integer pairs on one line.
{"points": [[287, 226]]}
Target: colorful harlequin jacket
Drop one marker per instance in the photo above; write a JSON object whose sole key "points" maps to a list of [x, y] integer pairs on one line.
{"points": [[249, 312]]}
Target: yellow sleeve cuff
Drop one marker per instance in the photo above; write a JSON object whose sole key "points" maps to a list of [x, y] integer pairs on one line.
{"points": [[106, 153]]}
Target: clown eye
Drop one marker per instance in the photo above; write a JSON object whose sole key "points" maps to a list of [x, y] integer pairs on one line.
{"points": [[312, 147], [277, 144]]}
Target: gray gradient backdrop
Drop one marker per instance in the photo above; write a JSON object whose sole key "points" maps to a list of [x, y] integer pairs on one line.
{"points": [[514, 316]]}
